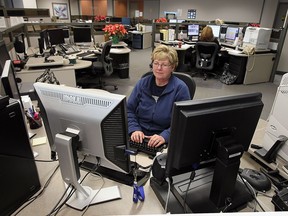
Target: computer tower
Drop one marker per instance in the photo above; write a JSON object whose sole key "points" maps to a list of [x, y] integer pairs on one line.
{"points": [[18, 173]]}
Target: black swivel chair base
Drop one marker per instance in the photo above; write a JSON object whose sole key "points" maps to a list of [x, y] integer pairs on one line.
{"points": [[99, 85], [205, 74]]}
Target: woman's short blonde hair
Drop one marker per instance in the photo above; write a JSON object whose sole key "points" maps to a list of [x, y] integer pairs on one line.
{"points": [[162, 52], [207, 34]]}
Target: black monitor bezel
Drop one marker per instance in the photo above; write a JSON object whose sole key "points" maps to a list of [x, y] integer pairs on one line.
{"points": [[80, 34], [188, 34], [181, 158], [9, 82], [56, 36]]}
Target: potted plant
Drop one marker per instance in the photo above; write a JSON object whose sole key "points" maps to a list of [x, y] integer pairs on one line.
{"points": [[115, 32]]}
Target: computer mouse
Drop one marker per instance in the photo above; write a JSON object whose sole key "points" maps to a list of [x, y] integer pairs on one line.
{"points": [[256, 179]]}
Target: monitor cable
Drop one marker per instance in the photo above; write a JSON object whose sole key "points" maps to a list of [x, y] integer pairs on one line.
{"points": [[32, 199], [168, 194], [192, 176], [252, 192], [58, 206]]}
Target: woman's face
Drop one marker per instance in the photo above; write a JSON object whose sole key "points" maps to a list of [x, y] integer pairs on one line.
{"points": [[162, 69]]}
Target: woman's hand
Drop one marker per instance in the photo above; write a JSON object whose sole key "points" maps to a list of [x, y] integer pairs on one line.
{"points": [[155, 140], [137, 136]]}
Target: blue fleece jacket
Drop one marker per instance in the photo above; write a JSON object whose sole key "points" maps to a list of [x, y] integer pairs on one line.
{"points": [[149, 116]]}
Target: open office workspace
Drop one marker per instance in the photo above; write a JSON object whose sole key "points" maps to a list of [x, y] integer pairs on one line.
{"points": [[65, 148]]}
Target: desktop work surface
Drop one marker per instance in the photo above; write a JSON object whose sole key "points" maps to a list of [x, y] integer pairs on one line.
{"points": [[124, 206], [64, 73]]}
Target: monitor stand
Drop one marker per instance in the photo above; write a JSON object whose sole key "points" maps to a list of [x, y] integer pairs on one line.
{"points": [[214, 189], [120, 177], [198, 197]]}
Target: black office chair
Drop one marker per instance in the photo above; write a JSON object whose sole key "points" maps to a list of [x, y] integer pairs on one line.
{"points": [[187, 79], [20, 47], [102, 67], [206, 53]]}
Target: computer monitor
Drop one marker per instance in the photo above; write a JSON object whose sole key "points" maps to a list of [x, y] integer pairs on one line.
{"points": [[9, 83], [173, 20], [56, 36], [126, 21], [231, 33], [216, 30], [43, 41], [208, 130], [277, 125], [193, 30], [82, 35], [180, 20], [100, 120], [4, 55]]}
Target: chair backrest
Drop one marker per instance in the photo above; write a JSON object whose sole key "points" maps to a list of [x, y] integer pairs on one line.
{"points": [[206, 53], [105, 58], [187, 79]]}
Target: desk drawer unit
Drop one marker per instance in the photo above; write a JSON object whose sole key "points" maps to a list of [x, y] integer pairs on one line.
{"points": [[237, 66], [137, 41]]}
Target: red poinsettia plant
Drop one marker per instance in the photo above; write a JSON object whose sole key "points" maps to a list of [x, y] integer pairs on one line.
{"points": [[115, 30], [161, 20], [99, 18]]}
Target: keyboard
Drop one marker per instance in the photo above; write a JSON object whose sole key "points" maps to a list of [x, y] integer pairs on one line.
{"points": [[190, 42], [84, 54], [69, 49], [143, 147]]}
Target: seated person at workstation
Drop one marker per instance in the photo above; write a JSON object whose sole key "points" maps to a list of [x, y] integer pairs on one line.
{"points": [[150, 104], [207, 36]]}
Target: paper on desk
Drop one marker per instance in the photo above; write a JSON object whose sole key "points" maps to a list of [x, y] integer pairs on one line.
{"points": [[39, 141]]}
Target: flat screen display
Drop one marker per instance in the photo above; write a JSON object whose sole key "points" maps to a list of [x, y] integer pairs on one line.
{"points": [[231, 33], [193, 30], [56, 36], [82, 34], [4, 55], [216, 30]]}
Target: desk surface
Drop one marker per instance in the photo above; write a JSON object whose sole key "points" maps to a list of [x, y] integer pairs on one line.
{"points": [[124, 206], [79, 65]]}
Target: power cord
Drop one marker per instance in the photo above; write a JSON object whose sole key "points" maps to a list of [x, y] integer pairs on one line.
{"points": [[168, 195], [32, 199], [192, 176], [251, 191]]}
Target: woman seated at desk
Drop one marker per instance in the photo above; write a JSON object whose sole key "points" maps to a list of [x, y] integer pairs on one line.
{"points": [[208, 36]]}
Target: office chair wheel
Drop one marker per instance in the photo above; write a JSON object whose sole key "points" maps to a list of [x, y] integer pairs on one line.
{"points": [[205, 77]]}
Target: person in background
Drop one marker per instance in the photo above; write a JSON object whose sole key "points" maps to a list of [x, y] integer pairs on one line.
{"points": [[207, 36], [149, 107]]}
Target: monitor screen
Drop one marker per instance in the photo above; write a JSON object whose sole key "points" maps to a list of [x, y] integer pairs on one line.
{"points": [[231, 33], [212, 133], [180, 20], [193, 30], [9, 83], [4, 55], [216, 30], [126, 21], [44, 39], [56, 36], [173, 20], [82, 34]]}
